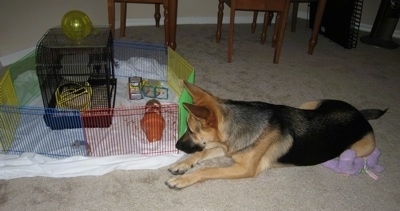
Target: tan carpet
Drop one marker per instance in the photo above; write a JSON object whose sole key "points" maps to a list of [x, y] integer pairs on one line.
{"points": [[367, 77]]}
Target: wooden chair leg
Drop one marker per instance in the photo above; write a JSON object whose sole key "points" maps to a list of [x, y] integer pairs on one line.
{"points": [[271, 16], [275, 39], [231, 33], [157, 14], [122, 20], [254, 23], [276, 29], [294, 16], [219, 20], [281, 31], [317, 23], [111, 16], [167, 28], [265, 26]]}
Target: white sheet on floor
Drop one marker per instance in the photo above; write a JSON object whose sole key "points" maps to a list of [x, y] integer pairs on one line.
{"points": [[32, 165]]}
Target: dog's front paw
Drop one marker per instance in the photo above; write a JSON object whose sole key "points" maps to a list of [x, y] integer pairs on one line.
{"points": [[180, 168], [179, 182]]}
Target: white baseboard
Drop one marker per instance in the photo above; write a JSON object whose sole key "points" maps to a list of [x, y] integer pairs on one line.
{"points": [[11, 58]]}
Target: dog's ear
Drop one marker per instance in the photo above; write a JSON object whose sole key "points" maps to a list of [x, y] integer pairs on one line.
{"points": [[196, 92], [201, 113]]}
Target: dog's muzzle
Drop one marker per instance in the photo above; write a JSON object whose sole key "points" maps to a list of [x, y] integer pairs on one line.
{"points": [[187, 145]]}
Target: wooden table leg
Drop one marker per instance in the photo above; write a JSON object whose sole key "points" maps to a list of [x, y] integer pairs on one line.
{"points": [[122, 19], [317, 24], [172, 14]]}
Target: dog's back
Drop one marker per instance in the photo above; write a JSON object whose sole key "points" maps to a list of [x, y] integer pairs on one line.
{"points": [[325, 132]]}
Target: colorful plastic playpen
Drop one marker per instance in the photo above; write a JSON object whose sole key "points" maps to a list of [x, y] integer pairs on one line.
{"points": [[27, 126]]}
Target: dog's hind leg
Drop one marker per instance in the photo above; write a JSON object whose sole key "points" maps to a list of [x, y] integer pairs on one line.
{"points": [[311, 105], [364, 146]]}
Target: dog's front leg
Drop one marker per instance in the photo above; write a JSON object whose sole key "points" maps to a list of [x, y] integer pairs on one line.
{"points": [[232, 172], [245, 165], [191, 161]]}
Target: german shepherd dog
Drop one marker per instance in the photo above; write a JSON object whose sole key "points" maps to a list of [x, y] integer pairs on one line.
{"points": [[258, 135]]}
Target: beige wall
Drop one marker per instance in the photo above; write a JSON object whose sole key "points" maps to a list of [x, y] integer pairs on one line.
{"points": [[23, 22]]}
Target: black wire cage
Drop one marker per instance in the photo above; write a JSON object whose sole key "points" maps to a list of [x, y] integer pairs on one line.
{"points": [[76, 75]]}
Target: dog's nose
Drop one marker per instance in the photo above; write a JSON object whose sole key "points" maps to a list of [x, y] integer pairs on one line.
{"points": [[188, 146]]}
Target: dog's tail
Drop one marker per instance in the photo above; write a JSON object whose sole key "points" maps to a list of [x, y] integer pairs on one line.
{"points": [[370, 114]]}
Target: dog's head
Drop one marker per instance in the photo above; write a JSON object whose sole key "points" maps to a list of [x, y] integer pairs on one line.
{"points": [[202, 122]]}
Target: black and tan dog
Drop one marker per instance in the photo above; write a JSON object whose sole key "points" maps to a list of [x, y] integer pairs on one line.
{"points": [[258, 135]]}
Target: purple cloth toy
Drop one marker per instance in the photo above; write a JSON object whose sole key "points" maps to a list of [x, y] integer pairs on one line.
{"points": [[348, 163]]}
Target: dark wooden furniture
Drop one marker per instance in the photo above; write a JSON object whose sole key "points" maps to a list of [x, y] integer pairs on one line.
{"points": [[279, 6], [170, 14], [317, 23]]}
